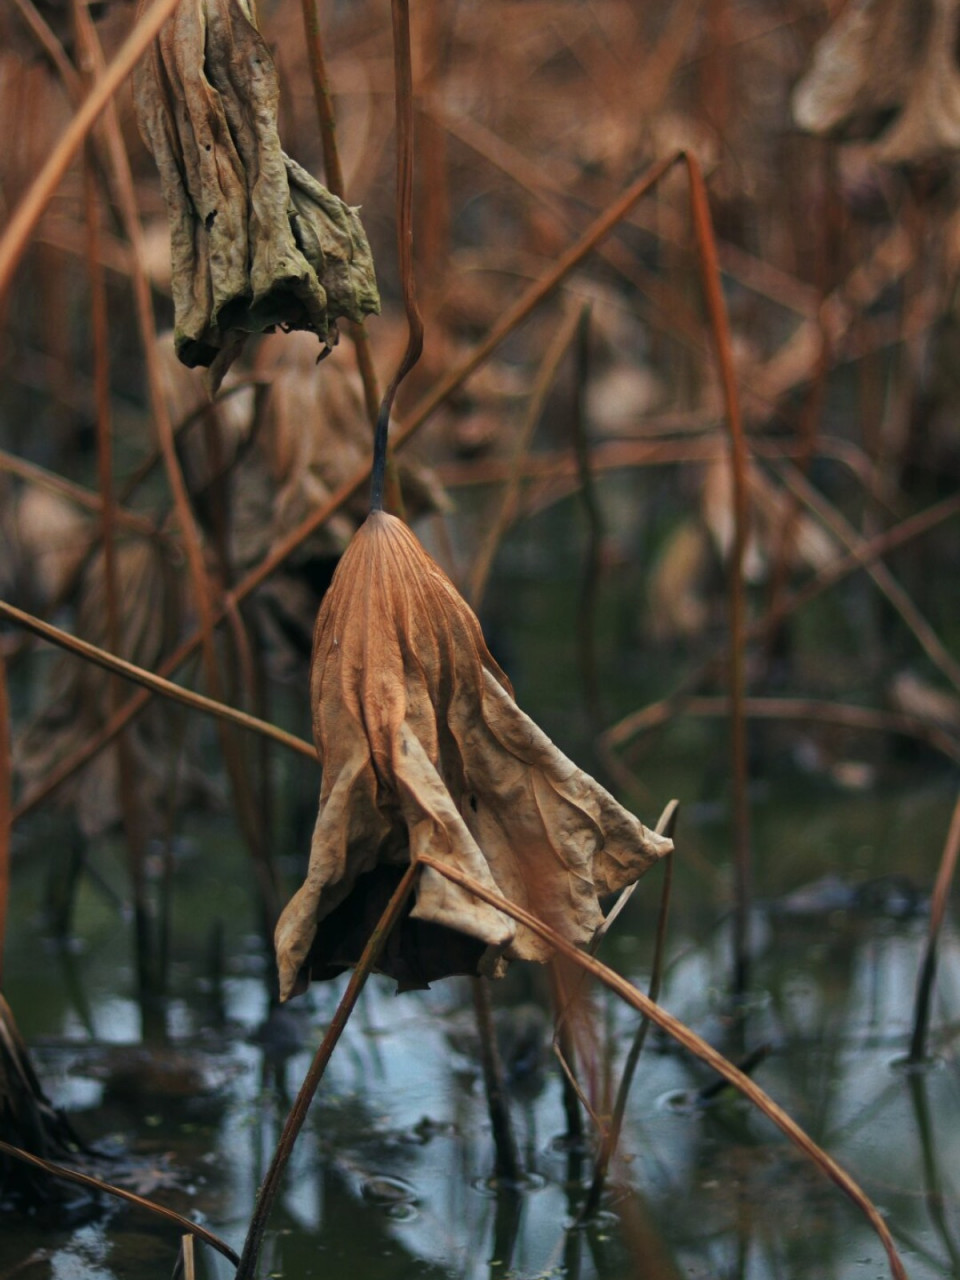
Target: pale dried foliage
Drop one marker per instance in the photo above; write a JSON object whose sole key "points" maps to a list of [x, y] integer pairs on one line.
{"points": [[888, 56], [256, 241], [425, 751]]}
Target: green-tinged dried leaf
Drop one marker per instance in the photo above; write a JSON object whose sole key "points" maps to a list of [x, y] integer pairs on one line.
{"points": [[255, 240], [424, 750], [883, 56]]}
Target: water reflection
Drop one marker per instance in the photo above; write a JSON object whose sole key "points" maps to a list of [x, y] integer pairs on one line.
{"points": [[392, 1174]]}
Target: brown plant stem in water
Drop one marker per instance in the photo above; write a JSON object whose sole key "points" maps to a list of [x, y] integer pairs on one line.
{"points": [[928, 968], [694, 1044], [507, 1161], [247, 1265], [710, 272]]}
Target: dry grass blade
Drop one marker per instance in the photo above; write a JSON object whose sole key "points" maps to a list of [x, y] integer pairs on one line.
{"points": [[30, 209], [157, 684], [105, 1188], [694, 1044]]}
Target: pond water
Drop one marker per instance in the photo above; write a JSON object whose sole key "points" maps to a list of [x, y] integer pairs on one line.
{"points": [[392, 1174]]}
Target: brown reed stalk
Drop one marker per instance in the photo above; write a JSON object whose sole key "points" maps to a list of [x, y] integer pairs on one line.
{"points": [[247, 1265], [14, 240], [507, 507], [928, 968], [403, 102], [693, 1043], [120, 1193], [710, 273]]}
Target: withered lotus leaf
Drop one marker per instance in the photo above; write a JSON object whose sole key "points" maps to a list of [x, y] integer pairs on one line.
{"points": [[255, 240], [425, 751]]}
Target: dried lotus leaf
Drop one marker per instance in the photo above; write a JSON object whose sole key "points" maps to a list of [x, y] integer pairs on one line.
{"points": [[424, 750], [256, 242]]}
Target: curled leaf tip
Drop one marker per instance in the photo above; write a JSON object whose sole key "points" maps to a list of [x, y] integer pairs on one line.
{"points": [[425, 751]]}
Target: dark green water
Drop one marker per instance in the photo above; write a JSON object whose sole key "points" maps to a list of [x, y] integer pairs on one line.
{"points": [[391, 1177]]}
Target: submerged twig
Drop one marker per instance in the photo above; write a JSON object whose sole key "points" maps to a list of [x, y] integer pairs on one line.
{"points": [[693, 1043], [938, 907]]}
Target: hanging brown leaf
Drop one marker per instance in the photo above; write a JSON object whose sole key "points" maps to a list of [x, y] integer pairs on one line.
{"points": [[424, 750], [255, 240]]}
